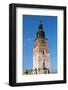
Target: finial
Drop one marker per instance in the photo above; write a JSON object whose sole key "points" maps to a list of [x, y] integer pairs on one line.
{"points": [[40, 20]]}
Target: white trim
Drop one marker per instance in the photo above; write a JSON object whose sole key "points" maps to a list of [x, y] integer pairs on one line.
{"points": [[19, 33]]}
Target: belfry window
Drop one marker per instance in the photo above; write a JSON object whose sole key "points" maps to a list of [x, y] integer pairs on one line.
{"points": [[43, 52]]}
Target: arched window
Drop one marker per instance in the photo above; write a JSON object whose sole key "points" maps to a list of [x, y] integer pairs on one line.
{"points": [[43, 65], [43, 52]]}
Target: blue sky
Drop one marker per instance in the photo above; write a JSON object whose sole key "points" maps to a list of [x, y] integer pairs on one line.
{"points": [[30, 27]]}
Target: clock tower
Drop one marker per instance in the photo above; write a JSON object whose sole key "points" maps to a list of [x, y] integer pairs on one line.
{"points": [[41, 55]]}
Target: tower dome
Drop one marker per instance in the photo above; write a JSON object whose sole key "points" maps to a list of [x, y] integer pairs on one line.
{"points": [[40, 33]]}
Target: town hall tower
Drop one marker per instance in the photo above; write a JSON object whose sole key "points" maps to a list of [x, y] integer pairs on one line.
{"points": [[41, 55]]}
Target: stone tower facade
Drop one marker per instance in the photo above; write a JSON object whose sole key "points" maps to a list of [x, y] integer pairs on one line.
{"points": [[41, 55]]}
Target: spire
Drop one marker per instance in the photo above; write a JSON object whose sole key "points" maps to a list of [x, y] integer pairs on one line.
{"points": [[40, 24], [40, 33]]}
